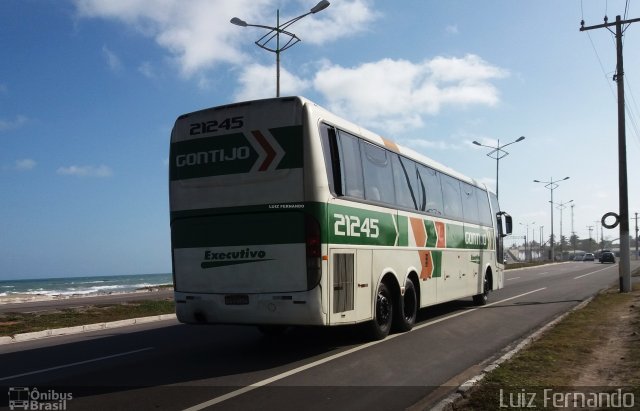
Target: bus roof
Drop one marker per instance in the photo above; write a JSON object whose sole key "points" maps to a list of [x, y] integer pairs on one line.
{"points": [[347, 125]]}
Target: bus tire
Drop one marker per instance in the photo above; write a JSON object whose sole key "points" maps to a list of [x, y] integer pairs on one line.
{"points": [[380, 326], [483, 298], [408, 308]]}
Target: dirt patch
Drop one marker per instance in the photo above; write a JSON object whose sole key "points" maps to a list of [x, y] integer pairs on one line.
{"points": [[608, 365]]}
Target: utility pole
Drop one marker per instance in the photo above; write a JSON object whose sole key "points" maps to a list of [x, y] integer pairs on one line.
{"points": [[574, 239], [637, 236], [590, 228], [623, 215]]}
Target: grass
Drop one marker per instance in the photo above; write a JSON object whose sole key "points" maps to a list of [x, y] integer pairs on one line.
{"points": [[15, 323], [554, 361]]}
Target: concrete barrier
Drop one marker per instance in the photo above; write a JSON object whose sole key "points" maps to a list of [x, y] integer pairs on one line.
{"points": [[56, 332]]}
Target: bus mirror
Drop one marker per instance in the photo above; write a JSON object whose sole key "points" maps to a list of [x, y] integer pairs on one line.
{"points": [[505, 224], [508, 224]]}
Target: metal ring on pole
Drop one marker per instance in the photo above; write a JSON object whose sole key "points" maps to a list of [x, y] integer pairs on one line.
{"points": [[615, 223]]}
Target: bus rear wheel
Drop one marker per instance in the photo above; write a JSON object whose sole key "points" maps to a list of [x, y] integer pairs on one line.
{"points": [[380, 326], [406, 315]]}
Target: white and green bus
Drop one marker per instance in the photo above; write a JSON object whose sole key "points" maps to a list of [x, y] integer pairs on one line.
{"points": [[283, 214]]}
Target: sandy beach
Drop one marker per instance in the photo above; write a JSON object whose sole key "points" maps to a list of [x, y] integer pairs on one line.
{"points": [[31, 302], [29, 298]]}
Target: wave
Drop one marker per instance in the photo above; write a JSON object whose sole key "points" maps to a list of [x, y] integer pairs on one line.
{"points": [[83, 285]]}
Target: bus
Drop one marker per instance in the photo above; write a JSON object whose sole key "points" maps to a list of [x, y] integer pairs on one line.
{"points": [[284, 214]]}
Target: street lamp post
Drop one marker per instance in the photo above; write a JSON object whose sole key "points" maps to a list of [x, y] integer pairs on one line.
{"points": [[528, 239], [497, 153], [561, 206], [541, 252], [275, 32], [551, 185]]}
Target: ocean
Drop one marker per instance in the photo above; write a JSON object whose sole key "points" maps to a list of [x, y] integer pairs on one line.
{"points": [[82, 286]]}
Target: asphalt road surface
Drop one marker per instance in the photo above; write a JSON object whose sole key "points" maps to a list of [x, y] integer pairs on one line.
{"points": [[171, 366]]}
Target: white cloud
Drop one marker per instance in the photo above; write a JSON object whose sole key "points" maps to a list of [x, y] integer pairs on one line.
{"points": [[147, 70], [113, 61], [18, 122], [431, 144], [395, 94], [452, 29], [345, 18], [198, 34], [25, 164], [258, 81], [86, 171]]}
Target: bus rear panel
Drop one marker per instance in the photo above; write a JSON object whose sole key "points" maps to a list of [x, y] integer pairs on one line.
{"points": [[246, 249]]}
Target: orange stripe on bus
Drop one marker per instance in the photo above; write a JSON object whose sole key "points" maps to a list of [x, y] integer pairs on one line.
{"points": [[419, 232], [390, 145]]}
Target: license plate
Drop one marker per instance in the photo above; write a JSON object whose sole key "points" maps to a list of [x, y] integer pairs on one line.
{"points": [[236, 299]]}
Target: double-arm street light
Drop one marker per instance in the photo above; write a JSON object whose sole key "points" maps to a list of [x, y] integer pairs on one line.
{"points": [[497, 153], [528, 239], [561, 206], [265, 41], [551, 185]]}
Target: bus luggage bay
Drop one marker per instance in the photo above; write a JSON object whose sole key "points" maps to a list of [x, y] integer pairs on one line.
{"points": [[284, 214]]}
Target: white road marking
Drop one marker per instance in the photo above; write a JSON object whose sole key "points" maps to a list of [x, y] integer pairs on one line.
{"points": [[289, 373], [514, 278], [593, 272], [10, 377], [546, 272]]}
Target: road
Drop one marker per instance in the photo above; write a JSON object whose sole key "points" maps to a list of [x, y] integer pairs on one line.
{"points": [[170, 366]]}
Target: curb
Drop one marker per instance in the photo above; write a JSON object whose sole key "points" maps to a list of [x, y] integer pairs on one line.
{"points": [[78, 329], [447, 403]]}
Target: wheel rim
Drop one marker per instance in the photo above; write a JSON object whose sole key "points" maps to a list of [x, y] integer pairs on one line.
{"points": [[383, 309]]}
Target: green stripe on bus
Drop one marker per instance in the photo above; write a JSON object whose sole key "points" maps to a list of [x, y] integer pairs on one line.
{"points": [[436, 257], [359, 226], [290, 139], [403, 231], [455, 236], [432, 234]]}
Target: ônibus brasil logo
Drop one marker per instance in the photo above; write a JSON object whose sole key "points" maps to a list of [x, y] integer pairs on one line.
{"points": [[213, 259]]}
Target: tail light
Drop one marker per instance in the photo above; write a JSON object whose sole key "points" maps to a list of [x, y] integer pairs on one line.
{"points": [[314, 252]]}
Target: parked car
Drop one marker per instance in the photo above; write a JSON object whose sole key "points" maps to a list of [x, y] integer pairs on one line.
{"points": [[578, 257], [607, 257], [589, 257]]}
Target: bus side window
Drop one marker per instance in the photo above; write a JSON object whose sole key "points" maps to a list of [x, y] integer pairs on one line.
{"points": [[451, 197], [331, 158], [405, 181], [378, 175], [470, 203], [484, 210], [350, 165], [431, 196]]}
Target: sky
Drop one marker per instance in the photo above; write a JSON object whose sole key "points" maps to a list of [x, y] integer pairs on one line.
{"points": [[90, 89]]}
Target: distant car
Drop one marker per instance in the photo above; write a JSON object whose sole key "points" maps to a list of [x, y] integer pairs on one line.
{"points": [[607, 257], [589, 257], [578, 257]]}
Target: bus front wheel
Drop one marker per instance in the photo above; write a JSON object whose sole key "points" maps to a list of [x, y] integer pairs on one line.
{"points": [[380, 326], [483, 298]]}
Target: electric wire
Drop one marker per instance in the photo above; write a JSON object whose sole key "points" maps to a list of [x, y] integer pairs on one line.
{"points": [[632, 111]]}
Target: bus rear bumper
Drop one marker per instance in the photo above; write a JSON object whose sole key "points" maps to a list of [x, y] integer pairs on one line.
{"points": [[299, 308]]}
